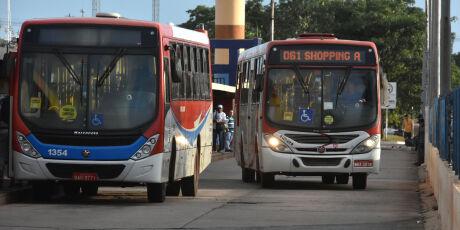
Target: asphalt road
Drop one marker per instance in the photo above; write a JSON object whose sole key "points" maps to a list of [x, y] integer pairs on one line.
{"points": [[225, 202]]}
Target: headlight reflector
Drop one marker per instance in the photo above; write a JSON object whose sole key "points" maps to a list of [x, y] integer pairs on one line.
{"points": [[367, 145], [276, 144], [145, 150], [26, 146]]}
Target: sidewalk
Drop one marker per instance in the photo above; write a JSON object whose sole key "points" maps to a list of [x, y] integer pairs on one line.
{"points": [[389, 145]]}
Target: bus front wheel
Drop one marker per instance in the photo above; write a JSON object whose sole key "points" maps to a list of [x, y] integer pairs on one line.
{"points": [[173, 188], [267, 179], [360, 181], [189, 185], [156, 192]]}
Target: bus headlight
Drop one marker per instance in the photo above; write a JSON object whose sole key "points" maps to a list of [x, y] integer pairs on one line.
{"points": [[367, 145], [145, 150], [26, 146], [276, 144]]}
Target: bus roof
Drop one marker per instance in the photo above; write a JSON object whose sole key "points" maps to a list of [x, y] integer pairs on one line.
{"points": [[165, 30], [263, 49]]}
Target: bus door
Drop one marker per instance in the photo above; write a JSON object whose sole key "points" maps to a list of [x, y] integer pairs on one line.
{"points": [[167, 95], [243, 108], [253, 109]]}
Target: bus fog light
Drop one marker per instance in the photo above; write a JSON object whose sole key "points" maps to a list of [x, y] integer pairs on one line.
{"points": [[26, 146], [146, 149]]}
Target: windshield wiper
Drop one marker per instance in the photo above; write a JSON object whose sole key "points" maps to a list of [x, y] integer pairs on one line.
{"points": [[67, 66], [342, 84], [109, 68], [299, 78]]}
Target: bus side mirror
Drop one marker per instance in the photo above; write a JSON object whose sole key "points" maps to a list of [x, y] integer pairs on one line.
{"points": [[176, 66], [259, 82]]}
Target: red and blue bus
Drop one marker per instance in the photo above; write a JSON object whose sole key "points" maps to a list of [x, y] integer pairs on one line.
{"points": [[107, 100], [308, 106]]}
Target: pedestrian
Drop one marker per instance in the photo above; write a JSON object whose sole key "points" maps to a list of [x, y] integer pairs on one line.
{"points": [[408, 125], [214, 131], [220, 126], [229, 133], [421, 142]]}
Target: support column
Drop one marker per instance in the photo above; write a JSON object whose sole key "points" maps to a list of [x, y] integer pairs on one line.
{"points": [[230, 20]]}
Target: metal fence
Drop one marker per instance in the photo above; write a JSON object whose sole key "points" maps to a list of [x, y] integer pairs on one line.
{"points": [[444, 128]]}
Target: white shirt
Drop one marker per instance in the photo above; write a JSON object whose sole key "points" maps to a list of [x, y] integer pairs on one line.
{"points": [[221, 117]]}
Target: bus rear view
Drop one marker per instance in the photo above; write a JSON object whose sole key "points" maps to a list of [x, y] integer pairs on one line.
{"points": [[320, 111]]}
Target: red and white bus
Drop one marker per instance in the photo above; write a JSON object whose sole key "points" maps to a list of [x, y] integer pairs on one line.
{"points": [[308, 107], [107, 100]]}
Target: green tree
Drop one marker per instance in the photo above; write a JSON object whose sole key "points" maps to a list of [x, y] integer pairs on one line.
{"points": [[204, 15], [396, 27]]}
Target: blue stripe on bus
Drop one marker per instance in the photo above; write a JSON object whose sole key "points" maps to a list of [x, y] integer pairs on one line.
{"points": [[109, 153], [191, 135]]}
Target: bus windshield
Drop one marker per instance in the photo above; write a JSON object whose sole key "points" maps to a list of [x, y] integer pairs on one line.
{"points": [[74, 91], [321, 98]]}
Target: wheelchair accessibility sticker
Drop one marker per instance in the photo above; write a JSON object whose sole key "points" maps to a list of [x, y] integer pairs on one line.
{"points": [[306, 115], [97, 119]]}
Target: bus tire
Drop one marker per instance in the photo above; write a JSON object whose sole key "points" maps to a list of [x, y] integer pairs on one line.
{"points": [[42, 190], [267, 179], [247, 175], [156, 192], [189, 185], [342, 178], [173, 188], [359, 181], [328, 179], [71, 189], [89, 189]]}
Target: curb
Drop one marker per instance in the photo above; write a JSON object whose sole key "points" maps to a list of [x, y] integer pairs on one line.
{"points": [[11, 195], [218, 156]]}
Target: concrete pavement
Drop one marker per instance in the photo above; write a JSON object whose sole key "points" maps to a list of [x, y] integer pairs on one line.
{"points": [[224, 201]]}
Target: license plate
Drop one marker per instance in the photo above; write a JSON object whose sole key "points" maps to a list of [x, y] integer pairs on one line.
{"points": [[363, 163], [85, 176]]}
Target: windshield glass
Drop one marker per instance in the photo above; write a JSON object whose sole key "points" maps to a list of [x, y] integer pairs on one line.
{"points": [[310, 98], [53, 97]]}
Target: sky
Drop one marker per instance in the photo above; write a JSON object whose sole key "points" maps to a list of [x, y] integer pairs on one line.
{"points": [[170, 11]]}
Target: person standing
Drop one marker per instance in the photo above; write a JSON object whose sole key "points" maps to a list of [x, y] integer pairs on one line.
{"points": [[408, 125], [229, 133], [214, 131], [220, 126], [421, 143]]}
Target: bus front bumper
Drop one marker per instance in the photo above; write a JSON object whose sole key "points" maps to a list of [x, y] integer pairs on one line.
{"points": [[153, 169], [317, 164]]}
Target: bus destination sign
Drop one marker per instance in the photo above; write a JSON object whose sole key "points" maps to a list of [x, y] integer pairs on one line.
{"points": [[327, 55]]}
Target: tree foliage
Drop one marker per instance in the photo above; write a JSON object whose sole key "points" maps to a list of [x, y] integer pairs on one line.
{"points": [[395, 26], [201, 14]]}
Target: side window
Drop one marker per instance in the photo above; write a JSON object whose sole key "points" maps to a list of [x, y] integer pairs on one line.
{"points": [[244, 84], [177, 91], [187, 75], [166, 79], [255, 93], [195, 75], [206, 74]]}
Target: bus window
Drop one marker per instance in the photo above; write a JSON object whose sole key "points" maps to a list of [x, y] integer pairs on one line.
{"points": [[177, 89], [255, 94], [244, 84], [187, 81], [207, 74], [166, 79]]}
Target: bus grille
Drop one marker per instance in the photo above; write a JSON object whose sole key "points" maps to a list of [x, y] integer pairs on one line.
{"points": [[67, 170], [321, 139], [326, 150], [321, 161]]}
